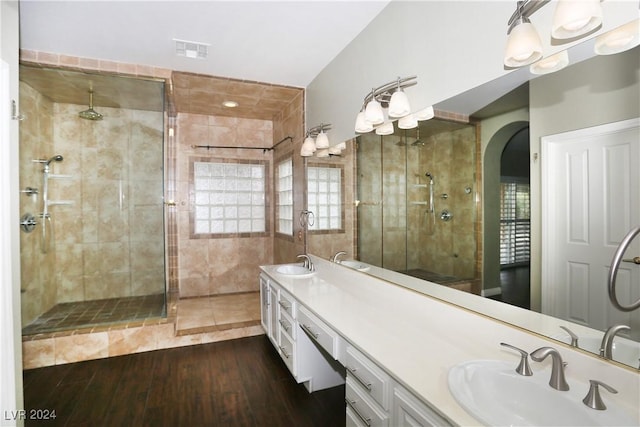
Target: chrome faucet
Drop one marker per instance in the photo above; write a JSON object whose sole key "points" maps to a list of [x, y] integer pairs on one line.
{"points": [[606, 346], [308, 264], [335, 257], [557, 381]]}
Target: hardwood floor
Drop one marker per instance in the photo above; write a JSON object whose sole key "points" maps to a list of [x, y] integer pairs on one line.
{"points": [[231, 383]]}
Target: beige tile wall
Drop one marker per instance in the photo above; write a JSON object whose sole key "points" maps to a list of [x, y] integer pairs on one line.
{"points": [[109, 241], [36, 142], [212, 266]]}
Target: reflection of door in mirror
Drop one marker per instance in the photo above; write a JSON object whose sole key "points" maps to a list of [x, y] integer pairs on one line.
{"points": [[595, 202], [400, 226]]}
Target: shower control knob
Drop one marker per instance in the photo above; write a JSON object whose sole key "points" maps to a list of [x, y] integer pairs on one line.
{"points": [[445, 215], [28, 222]]}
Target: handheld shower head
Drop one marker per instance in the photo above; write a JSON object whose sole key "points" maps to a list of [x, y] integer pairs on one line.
{"points": [[57, 158]]}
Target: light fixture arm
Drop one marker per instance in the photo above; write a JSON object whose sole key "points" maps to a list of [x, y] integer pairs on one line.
{"points": [[322, 127], [524, 10], [383, 93]]}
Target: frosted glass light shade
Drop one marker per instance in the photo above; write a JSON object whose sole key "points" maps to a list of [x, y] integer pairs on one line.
{"points": [[619, 39], [399, 104], [574, 18], [408, 122], [322, 141], [524, 46], [308, 147], [362, 125], [385, 129], [335, 150], [425, 114], [551, 64], [323, 153], [373, 113]]}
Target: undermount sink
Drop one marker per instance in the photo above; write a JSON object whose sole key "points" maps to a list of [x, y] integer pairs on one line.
{"points": [[496, 395], [624, 350], [356, 265], [294, 270]]}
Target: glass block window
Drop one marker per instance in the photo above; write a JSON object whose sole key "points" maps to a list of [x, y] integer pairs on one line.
{"points": [[284, 203], [229, 198], [324, 197]]}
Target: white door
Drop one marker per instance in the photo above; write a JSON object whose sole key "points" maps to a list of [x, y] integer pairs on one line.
{"points": [[590, 200]]}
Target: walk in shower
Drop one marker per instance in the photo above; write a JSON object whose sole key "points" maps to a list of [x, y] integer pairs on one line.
{"points": [[417, 201], [92, 246]]}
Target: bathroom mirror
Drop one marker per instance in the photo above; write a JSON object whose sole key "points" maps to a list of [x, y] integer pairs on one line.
{"points": [[614, 81]]}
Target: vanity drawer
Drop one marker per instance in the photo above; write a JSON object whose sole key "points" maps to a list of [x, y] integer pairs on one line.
{"points": [[326, 337], [287, 304], [287, 324], [363, 408], [287, 352], [371, 379]]}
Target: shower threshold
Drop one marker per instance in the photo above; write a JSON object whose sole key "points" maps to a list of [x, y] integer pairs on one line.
{"points": [[86, 314]]}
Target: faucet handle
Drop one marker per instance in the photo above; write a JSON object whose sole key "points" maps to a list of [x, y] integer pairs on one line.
{"points": [[574, 337], [523, 367], [593, 399]]}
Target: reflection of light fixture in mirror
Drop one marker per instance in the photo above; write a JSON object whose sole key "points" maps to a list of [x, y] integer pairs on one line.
{"points": [[385, 129], [425, 114], [390, 95], [408, 122], [335, 150], [229, 104], [523, 43], [550, 64], [399, 103], [618, 40], [362, 125], [574, 18], [373, 112]]}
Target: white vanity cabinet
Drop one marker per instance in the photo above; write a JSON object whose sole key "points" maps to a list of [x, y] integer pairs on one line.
{"points": [[307, 363], [375, 399]]}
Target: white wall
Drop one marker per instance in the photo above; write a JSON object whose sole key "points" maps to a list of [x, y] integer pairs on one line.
{"points": [[10, 337], [452, 46]]}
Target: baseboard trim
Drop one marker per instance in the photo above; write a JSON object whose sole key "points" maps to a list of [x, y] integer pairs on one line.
{"points": [[491, 292]]}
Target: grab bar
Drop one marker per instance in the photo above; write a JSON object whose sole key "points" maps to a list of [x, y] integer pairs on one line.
{"points": [[613, 271]]}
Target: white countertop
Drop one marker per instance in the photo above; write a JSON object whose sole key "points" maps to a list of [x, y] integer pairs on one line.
{"points": [[417, 339]]}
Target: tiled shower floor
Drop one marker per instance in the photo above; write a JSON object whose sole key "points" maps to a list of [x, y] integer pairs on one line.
{"points": [[83, 314]]}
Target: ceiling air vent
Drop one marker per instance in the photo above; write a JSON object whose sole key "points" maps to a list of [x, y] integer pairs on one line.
{"points": [[191, 49]]}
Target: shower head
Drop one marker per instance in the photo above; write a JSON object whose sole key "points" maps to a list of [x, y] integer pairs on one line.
{"points": [[90, 114], [429, 175], [417, 143], [57, 158]]}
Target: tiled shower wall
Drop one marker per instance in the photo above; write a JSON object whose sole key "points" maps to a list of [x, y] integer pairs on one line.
{"points": [[218, 265], [108, 235], [396, 231], [36, 142]]}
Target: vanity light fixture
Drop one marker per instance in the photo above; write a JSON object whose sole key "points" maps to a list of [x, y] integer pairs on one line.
{"points": [[408, 122], [425, 114], [385, 129], [389, 96], [524, 46], [575, 18], [550, 64], [321, 142], [618, 40], [572, 19]]}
